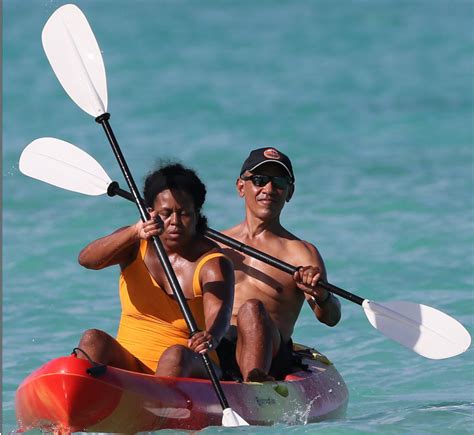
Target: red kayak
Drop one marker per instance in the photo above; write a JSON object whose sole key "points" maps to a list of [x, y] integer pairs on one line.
{"points": [[62, 396]]}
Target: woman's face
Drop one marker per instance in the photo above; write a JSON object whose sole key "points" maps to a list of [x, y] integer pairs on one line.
{"points": [[179, 216]]}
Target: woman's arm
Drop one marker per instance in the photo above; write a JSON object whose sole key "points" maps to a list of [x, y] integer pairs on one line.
{"points": [[217, 283], [120, 247]]}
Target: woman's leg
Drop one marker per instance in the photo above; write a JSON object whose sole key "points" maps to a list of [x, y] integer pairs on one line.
{"points": [[104, 349], [180, 361]]}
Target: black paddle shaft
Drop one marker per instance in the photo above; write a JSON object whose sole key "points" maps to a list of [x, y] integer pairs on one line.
{"points": [[160, 250], [275, 262], [114, 189]]}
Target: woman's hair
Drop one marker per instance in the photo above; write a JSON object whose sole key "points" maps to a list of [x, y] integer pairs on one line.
{"points": [[176, 176]]}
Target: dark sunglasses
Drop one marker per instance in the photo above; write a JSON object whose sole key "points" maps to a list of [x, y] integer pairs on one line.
{"points": [[263, 180]]}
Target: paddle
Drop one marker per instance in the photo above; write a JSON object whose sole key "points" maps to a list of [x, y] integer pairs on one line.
{"points": [[75, 57], [425, 330]]}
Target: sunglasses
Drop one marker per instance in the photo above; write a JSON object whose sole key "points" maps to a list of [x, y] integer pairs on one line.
{"points": [[263, 180]]}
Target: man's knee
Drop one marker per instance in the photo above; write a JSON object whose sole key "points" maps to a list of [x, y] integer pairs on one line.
{"points": [[252, 310]]}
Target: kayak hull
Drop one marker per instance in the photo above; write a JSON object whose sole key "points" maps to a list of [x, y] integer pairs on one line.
{"points": [[62, 396]]}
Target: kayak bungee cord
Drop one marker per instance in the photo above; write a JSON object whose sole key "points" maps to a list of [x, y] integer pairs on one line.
{"points": [[76, 349], [96, 369]]}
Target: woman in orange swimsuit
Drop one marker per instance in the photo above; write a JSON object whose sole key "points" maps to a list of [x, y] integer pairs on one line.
{"points": [[152, 335]]}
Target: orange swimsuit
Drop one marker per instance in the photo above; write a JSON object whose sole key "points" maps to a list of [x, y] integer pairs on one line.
{"points": [[151, 320]]}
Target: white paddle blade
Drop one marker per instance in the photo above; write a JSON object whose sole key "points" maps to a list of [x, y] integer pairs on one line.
{"points": [[425, 330], [75, 57], [232, 419], [63, 165]]}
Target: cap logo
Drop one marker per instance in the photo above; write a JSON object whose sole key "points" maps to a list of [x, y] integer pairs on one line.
{"points": [[271, 153]]}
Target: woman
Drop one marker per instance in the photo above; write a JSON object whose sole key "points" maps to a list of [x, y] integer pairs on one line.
{"points": [[152, 335]]}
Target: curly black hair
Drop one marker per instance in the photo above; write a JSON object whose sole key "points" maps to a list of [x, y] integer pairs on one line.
{"points": [[176, 176]]}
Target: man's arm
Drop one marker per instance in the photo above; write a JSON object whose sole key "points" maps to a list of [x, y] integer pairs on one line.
{"points": [[328, 310], [324, 304]]}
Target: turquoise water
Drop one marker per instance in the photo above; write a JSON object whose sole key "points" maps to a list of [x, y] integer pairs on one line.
{"points": [[373, 100]]}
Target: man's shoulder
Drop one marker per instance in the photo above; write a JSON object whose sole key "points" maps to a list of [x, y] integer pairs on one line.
{"points": [[291, 246], [300, 246], [276, 242], [234, 231]]}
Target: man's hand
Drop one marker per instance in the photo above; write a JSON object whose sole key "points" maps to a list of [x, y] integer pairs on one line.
{"points": [[152, 227], [201, 342], [306, 279]]}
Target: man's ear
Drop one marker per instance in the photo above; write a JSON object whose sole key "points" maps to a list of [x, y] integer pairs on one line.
{"points": [[291, 190], [239, 184]]}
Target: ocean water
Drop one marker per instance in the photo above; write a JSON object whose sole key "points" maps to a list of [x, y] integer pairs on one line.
{"points": [[373, 101]]}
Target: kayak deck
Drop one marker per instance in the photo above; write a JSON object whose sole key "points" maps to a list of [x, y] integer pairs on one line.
{"points": [[61, 396]]}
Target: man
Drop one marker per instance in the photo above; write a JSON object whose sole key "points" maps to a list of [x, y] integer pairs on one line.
{"points": [[267, 301]]}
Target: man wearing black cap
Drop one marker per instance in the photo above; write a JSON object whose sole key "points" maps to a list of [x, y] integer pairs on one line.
{"points": [[268, 301]]}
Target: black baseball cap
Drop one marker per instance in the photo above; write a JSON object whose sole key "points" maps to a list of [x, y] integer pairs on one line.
{"points": [[260, 156]]}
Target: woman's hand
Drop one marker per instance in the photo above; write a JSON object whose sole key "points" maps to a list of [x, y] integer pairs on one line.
{"points": [[152, 227], [201, 342]]}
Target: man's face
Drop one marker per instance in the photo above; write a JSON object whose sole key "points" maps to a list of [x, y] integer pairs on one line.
{"points": [[265, 200]]}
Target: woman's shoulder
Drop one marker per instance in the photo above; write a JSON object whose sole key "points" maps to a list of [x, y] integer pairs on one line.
{"points": [[212, 250], [211, 267], [212, 256], [207, 247]]}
